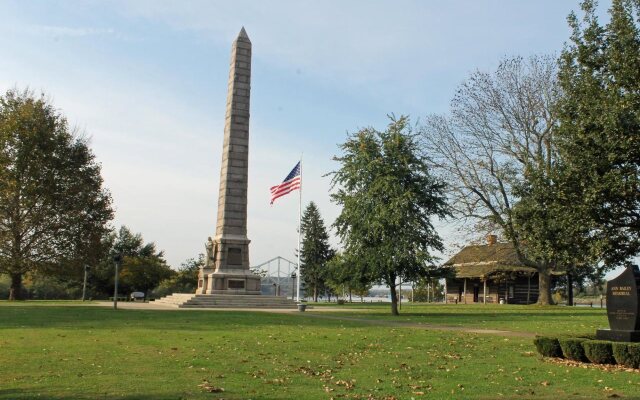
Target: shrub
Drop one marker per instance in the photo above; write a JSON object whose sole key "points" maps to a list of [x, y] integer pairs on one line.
{"points": [[627, 354], [598, 351], [572, 348], [548, 346]]}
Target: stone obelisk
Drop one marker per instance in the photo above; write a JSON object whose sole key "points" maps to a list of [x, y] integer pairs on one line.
{"points": [[226, 269]]}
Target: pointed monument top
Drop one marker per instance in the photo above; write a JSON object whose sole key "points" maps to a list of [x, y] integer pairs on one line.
{"points": [[243, 35]]}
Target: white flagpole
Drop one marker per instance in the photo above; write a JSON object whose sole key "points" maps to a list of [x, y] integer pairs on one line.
{"points": [[299, 233]]}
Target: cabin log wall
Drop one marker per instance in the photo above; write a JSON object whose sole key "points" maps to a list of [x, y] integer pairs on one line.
{"points": [[496, 290]]}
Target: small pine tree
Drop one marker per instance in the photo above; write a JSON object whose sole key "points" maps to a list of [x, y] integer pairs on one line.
{"points": [[316, 251]]}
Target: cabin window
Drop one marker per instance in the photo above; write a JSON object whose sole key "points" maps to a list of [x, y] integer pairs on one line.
{"points": [[511, 291]]}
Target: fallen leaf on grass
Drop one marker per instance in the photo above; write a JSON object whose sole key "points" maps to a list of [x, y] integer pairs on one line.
{"points": [[347, 384], [602, 367], [208, 387]]}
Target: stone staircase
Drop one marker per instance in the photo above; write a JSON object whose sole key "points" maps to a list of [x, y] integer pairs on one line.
{"points": [[190, 300]]}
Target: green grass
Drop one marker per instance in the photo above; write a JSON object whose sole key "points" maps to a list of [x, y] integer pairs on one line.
{"points": [[76, 352], [535, 319]]}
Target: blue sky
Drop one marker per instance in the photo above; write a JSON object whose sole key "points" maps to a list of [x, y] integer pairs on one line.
{"points": [[146, 80]]}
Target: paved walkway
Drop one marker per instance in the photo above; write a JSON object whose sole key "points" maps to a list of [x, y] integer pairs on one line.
{"points": [[319, 312]]}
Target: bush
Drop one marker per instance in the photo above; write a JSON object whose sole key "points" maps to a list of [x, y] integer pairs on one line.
{"points": [[598, 351], [627, 354], [572, 348], [548, 346]]}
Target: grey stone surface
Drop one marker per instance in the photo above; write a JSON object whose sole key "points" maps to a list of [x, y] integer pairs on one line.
{"points": [[228, 254]]}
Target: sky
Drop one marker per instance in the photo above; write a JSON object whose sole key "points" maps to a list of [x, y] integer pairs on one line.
{"points": [[146, 81]]}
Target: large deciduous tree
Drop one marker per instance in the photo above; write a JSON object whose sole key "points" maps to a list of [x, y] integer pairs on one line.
{"points": [[316, 251], [53, 207], [599, 132], [497, 151], [388, 199]]}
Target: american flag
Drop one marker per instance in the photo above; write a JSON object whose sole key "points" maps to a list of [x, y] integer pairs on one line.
{"points": [[290, 183]]}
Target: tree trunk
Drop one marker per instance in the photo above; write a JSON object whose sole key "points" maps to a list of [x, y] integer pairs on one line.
{"points": [[394, 300], [350, 300], [315, 293], [15, 292], [544, 286], [569, 289]]}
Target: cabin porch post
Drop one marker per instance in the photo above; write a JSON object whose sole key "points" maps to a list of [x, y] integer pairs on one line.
{"points": [[464, 291], [484, 291], [445, 291]]}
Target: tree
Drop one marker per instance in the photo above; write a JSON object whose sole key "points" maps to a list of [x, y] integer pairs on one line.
{"points": [[143, 266], [53, 208], [497, 150], [388, 198], [428, 290], [315, 250], [185, 280], [599, 132], [347, 276]]}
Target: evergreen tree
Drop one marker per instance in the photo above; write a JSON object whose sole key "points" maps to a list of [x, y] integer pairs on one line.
{"points": [[599, 128], [315, 250], [388, 198]]}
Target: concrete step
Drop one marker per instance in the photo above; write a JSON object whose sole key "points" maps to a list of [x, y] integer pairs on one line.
{"points": [[272, 307], [189, 300]]}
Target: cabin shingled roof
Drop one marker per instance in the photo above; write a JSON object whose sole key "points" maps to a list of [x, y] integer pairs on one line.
{"points": [[499, 253], [480, 261]]}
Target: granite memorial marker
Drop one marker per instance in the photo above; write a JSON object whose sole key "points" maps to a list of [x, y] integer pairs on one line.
{"points": [[623, 307]]}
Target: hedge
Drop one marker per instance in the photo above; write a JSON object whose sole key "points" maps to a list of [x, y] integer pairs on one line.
{"points": [[572, 348], [599, 351], [548, 346], [627, 354]]}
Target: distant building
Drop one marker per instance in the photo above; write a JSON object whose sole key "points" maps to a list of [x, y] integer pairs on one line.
{"points": [[490, 273]]}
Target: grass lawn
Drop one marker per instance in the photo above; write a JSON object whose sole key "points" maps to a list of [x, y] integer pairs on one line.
{"points": [[536, 319], [83, 352]]}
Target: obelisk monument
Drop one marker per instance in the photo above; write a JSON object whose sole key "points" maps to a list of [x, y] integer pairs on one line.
{"points": [[226, 270]]}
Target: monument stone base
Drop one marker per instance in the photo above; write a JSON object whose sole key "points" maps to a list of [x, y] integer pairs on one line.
{"points": [[239, 281], [618, 335]]}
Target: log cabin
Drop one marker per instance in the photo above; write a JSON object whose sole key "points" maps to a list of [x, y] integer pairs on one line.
{"points": [[490, 273]]}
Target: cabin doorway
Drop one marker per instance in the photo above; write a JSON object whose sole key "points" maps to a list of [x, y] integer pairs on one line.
{"points": [[476, 293]]}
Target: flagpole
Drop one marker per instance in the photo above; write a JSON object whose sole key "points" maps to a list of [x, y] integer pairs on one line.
{"points": [[299, 233]]}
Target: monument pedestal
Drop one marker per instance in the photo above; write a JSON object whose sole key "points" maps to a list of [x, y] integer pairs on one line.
{"points": [[618, 336], [234, 282]]}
